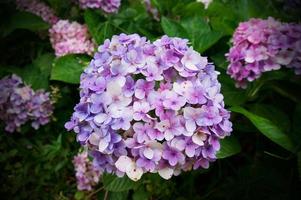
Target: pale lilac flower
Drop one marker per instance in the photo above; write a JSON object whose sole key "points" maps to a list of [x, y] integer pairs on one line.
{"points": [[141, 130], [173, 156], [140, 110], [173, 101], [142, 88], [193, 61], [191, 115]]}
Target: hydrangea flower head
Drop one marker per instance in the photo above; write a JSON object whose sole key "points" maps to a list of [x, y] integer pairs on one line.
{"points": [[70, 38], [20, 104], [38, 8], [109, 6], [87, 175], [150, 107], [263, 45]]}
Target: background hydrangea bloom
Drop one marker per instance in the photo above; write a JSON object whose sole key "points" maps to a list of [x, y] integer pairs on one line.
{"points": [[70, 37], [87, 175], [152, 10], [150, 107], [20, 104], [109, 6], [263, 45], [38, 8]]}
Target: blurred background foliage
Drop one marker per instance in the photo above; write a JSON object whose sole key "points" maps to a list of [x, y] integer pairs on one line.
{"points": [[262, 158]]}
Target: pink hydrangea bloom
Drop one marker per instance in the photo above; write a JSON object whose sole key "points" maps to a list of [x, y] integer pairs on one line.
{"points": [[38, 8], [70, 38], [87, 175], [150, 107], [263, 45], [109, 6]]}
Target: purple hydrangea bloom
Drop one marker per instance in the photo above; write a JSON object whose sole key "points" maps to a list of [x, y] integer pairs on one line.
{"points": [[150, 107], [263, 45], [109, 6], [20, 104], [38, 8]]}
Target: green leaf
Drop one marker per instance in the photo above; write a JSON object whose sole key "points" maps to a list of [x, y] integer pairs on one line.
{"points": [[36, 74], [116, 184], [267, 128], [69, 68], [98, 27], [200, 33], [107, 30], [273, 114], [79, 195], [140, 194], [118, 195], [299, 164], [232, 95], [229, 146], [296, 125], [24, 20], [172, 28], [286, 89]]}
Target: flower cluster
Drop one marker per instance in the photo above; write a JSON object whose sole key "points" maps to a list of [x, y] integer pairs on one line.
{"points": [[263, 45], [109, 6], [70, 37], [152, 10], [150, 107], [38, 8], [87, 174], [20, 104]]}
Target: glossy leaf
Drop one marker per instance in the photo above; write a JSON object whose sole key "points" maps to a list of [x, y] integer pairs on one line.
{"points": [[229, 146], [24, 20], [69, 68], [172, 28], [267, 128], [116, 184], [98, 27]]}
